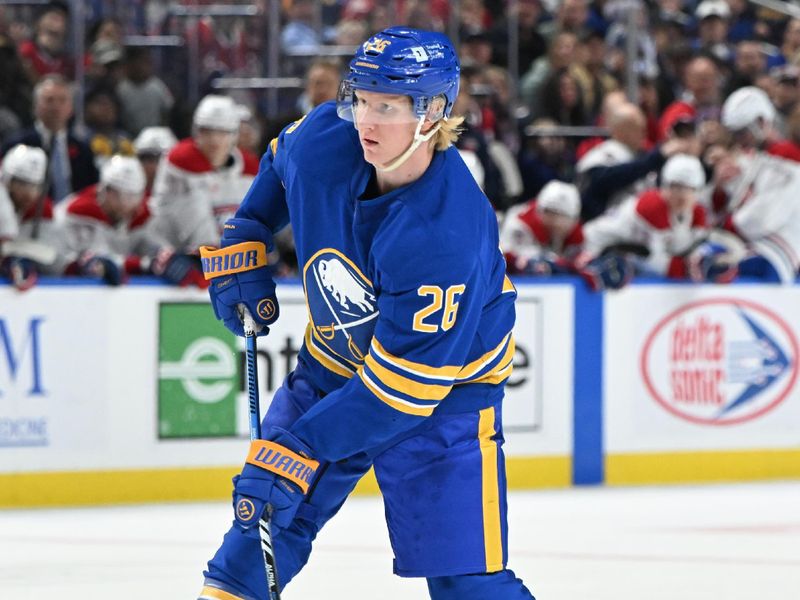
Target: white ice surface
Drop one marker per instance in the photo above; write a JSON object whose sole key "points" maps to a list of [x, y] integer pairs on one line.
{"points": [[726, 542]]}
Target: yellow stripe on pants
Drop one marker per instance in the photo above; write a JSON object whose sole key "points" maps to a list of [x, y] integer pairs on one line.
{"points": [[492, 539]]}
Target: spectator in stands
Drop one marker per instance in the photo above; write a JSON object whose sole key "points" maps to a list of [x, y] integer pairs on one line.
{"points": [[71, 161], [562, 54], [561, 99], [203, 179], [750, 62], [785, 95], [106, 63], [46, 53], [617, 169], [150, 146], [531, 43], [616, 57], [29, 242], [789, 51], [713, 22], [701, 98], [321, 84], [544, 237], [594, 78], [108, 236], [102, 108], [660, 226], [476, 49], [570, 15], [473, 140], [299, 33], [545, 156], [146, 100], [16, 94], [350, 32]]}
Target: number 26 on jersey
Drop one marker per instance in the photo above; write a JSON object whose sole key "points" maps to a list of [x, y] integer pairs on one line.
{"points": [[441, 311]]}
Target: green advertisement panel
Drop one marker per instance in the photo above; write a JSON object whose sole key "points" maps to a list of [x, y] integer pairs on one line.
{"points": [[198, 373]]}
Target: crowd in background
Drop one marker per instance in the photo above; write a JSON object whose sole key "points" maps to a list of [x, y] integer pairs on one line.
{"points": [[601, 142]]}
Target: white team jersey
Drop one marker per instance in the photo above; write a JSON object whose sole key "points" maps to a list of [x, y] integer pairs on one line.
{"points": [[648, 222], [9, 228], [191, 200], [87, 229], [39, 240], [765, 204]]}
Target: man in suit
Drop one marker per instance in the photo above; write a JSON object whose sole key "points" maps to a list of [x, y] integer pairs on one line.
{"points": [[71, 161]]}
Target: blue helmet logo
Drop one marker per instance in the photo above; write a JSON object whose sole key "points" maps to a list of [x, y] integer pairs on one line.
{"points": [[409, 62]]}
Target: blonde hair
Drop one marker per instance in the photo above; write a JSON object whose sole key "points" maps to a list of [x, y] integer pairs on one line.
{"points": [[448, 133]]}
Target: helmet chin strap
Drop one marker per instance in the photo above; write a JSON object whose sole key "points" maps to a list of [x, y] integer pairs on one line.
{"points": [[418, 139]]}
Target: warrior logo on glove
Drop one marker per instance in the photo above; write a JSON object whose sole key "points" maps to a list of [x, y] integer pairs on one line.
{"points": [[233, 259]]}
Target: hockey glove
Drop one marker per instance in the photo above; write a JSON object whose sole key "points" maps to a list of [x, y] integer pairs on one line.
{"points": [[20, 271], [239, 275], [709, 263], [179, 269], [607, 272], [277, 474], [91, 265]]}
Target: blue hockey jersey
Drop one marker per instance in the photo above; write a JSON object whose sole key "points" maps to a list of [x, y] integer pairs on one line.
{"points": [[410, 310]]}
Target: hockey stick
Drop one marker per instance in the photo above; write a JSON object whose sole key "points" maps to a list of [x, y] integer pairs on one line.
{"points": [[264, 530]]}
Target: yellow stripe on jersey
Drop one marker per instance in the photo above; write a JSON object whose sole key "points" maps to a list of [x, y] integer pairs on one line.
{"points": [[273, 145], [507, 285], [212, 593], [404, 385], [396, 403], [492, 537], [326, 361], [446, 373], [495, 376], [475, 366], [501, 371]]}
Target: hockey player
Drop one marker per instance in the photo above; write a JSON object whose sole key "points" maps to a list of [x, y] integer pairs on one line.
{"points": [[29, 242], [545, 236], [667, 222], [760, 192], [409, 341], [107, 234], [203, 179], [150, 145]]}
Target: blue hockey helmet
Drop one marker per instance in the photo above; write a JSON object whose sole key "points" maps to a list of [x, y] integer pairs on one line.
{"points": [[409, 62]]}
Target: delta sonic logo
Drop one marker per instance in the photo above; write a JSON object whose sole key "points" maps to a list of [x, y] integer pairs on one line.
{"points": [[720, 362], [342, 308]]}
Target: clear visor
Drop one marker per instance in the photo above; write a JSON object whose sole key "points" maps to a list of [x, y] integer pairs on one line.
{"points": [[361, 106]]}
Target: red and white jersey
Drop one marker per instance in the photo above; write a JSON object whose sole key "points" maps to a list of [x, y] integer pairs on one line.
{"points": [[33, 235], [88, 229], [191, 200], [524, 236], [764, 209], [648, 221], [9, 227]]}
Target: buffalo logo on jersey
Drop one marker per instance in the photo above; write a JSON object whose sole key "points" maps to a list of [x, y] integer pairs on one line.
{"points": [[282, 461], [342, 307], [245, 510]]}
